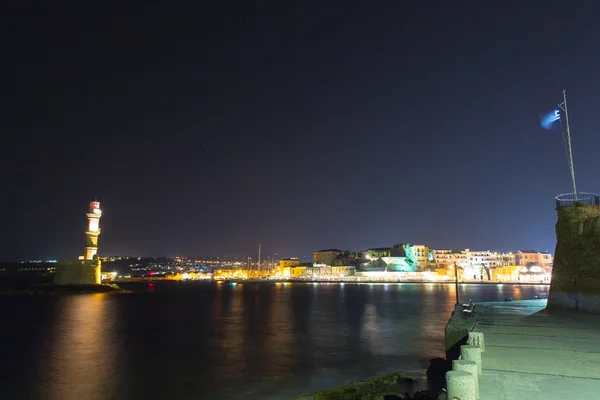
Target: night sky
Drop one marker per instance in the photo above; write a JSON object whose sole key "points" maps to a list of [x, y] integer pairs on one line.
{"points": [[208, 129]]}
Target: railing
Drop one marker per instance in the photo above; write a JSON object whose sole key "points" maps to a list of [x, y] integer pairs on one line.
{"points": [[568, 199]]}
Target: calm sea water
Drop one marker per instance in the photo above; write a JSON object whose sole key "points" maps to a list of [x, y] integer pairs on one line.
{"points": [[189, 340]]}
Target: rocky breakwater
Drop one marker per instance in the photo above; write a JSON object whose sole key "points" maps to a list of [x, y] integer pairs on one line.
{"points": [[394, 386]]}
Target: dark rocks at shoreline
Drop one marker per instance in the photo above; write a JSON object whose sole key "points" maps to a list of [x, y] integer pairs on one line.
{"points": [[392, 386], [426, 395], [436, 373], [389, 387]]}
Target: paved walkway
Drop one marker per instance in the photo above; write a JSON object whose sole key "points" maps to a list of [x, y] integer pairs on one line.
{"points": [[532, 354]]}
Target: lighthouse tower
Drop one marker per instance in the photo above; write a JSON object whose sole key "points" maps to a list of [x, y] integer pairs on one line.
{"points": [[91, 235], [87, 269]]}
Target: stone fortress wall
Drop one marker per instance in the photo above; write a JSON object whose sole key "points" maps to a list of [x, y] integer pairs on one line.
{"points": [[575, 281], [78, 272]]}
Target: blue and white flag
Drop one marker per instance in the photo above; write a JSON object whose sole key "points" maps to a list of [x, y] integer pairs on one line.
{"points": [[549, 120]]}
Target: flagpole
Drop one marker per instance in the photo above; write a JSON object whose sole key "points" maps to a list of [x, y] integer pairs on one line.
{"points": [[569, 143]]}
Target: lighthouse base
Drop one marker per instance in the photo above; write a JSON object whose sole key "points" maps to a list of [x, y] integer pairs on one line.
{"points": [[78, 272]]}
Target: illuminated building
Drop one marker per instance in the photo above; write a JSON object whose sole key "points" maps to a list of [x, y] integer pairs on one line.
{"points": [[447, 257], [446, 272], [108, 276], [476, 272], [341, 271], [498, 260], [87, 269], [461, 258], [221, 274], [318, 270], [297, 271], [442, 257], [288, 262], [524, 257], [509, 273], [187, 276], [326, 256], [534, 273], [285, 266], [479, 258], [418, 254], [387, 259]]}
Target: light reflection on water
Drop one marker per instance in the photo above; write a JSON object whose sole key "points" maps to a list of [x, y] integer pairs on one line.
{"points": [[217, 341], [81, 349]]}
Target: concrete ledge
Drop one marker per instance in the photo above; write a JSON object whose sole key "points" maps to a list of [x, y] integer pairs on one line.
{"points": [[502, 385], [457, 330], [532, 353], [543, 361]]}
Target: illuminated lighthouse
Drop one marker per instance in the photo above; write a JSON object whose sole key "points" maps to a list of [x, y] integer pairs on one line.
{"points": [[87, 269], [91, 236]]}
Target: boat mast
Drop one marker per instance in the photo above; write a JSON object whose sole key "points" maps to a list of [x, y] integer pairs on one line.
{"points": [[563, 106], [258, 261]]}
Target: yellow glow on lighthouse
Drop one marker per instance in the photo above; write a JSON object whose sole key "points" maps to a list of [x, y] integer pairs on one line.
{"points": [[91, 246]]}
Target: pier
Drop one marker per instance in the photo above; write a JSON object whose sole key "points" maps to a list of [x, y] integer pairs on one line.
{"points": [[534, 354]]}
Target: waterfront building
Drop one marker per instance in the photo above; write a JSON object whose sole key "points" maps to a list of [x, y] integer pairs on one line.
{"points": [[285, 267], [220, 273], [191, 276], [386, 276], [326, 256], [316, 270], [479, 258], [239, 273], [447, 272], [475, 272], [498, 260], [508, 273], [342, 271], [311, 271], [461, 258], [324, 269], [534, 273], [298, 271], [108, 276], [442, 257], [524, 257], [417, 255], [421, 255], [288, 262]]}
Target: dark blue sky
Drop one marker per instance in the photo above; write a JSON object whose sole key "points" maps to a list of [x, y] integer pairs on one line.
{"points": [[208, 129]]}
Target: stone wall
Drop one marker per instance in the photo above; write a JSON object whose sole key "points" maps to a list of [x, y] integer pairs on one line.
{"points": [[457, 330], [78, 272], [576, 272]]}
